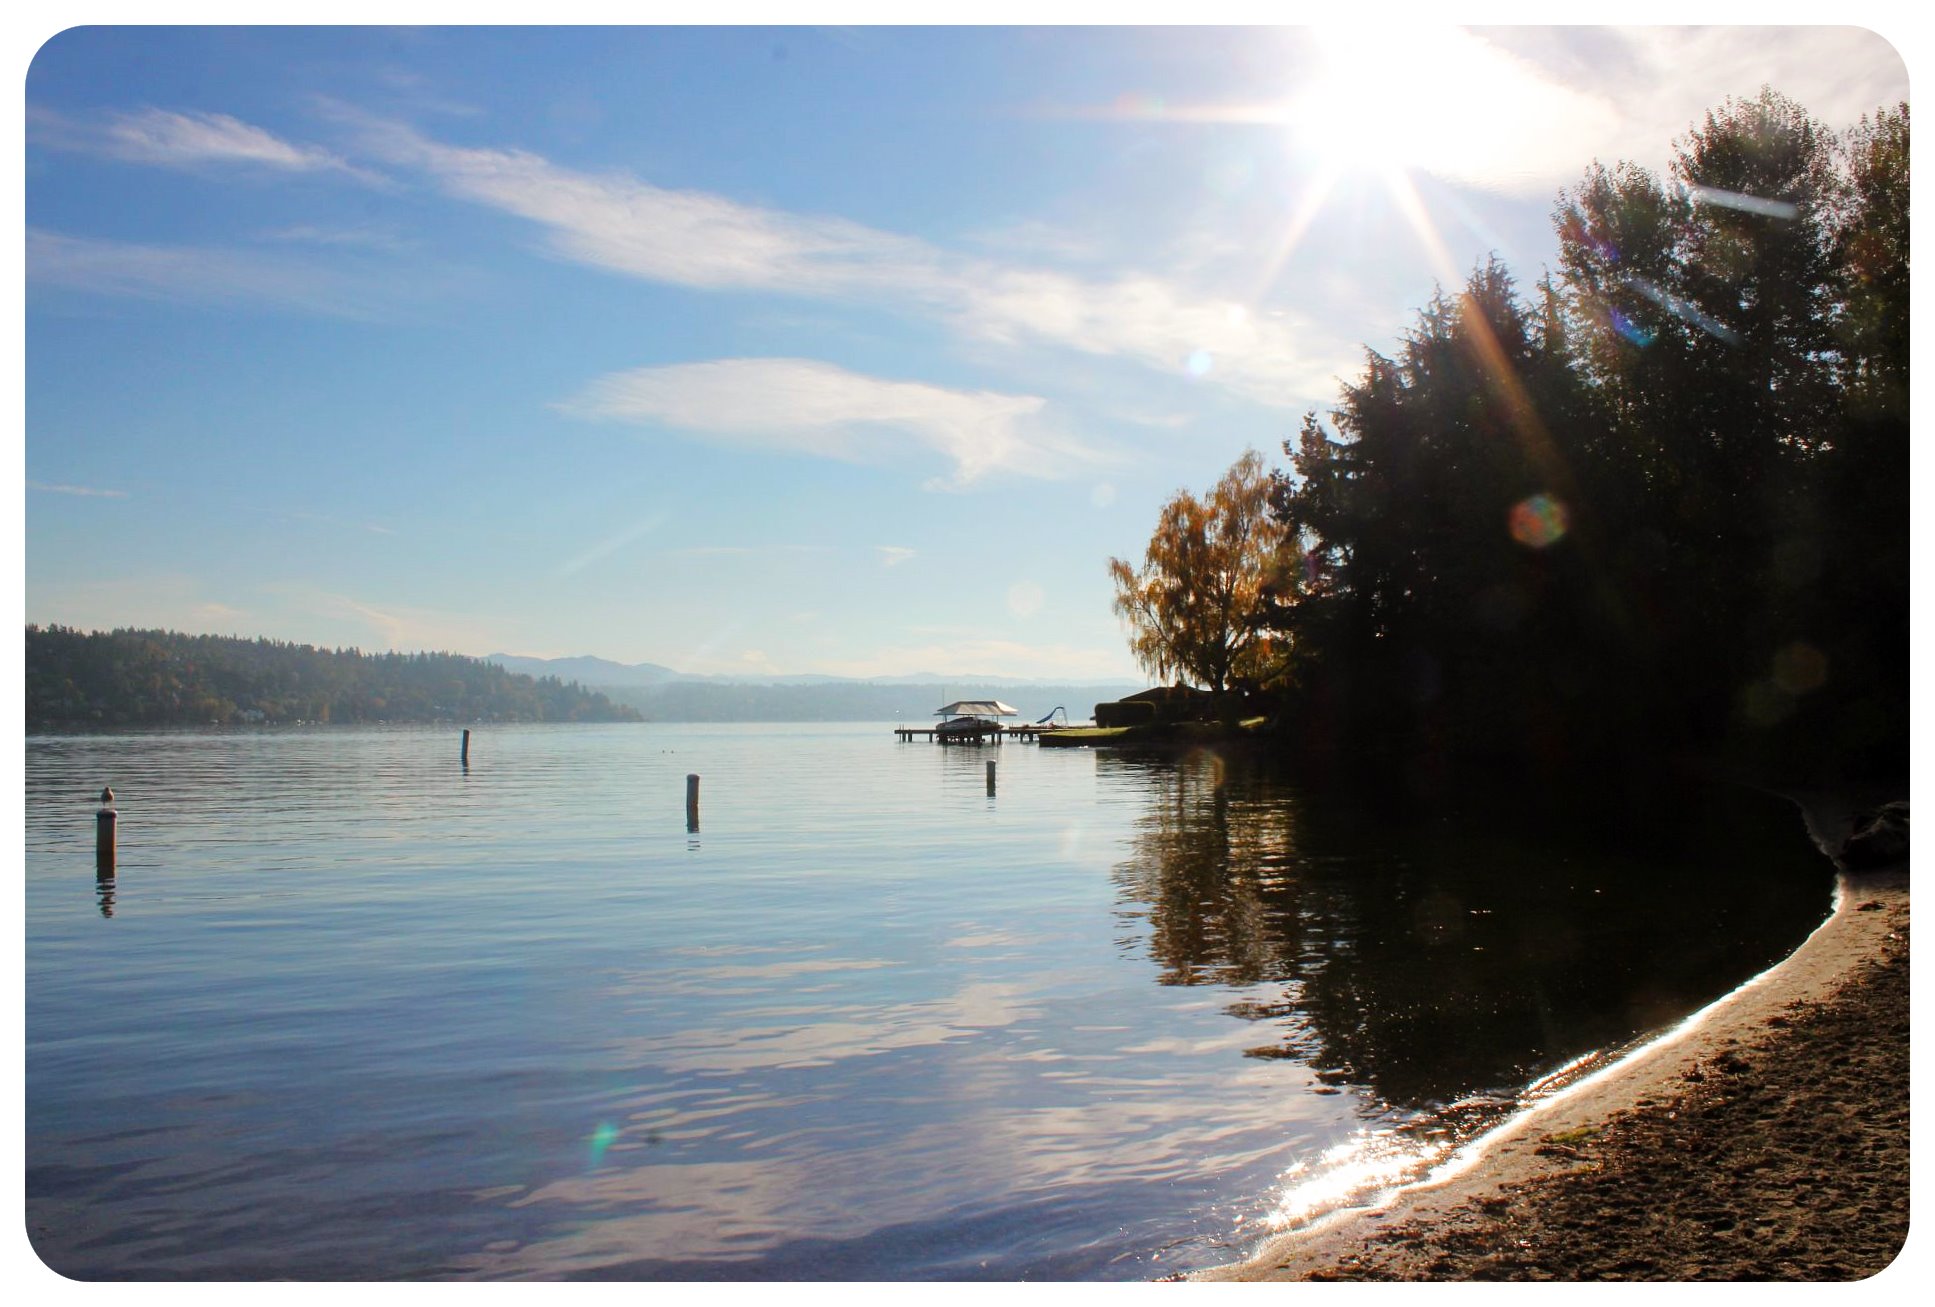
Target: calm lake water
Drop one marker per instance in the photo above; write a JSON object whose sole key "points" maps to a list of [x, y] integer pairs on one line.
{"points": [[348, 1011]]}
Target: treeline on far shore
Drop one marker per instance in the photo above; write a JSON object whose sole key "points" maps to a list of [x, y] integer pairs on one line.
{"points": [[165, 678]]}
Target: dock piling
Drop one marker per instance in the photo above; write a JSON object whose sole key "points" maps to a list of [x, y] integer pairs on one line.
{"points": [[692, 802], [464, 756], [105, 821], [990, 777], [1028, 732]]}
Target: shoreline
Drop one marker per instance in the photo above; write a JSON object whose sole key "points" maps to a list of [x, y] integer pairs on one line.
{"points": [[1470, 1218]]}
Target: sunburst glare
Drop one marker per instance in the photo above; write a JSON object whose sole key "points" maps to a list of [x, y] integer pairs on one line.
{"points": [[1437, 100]]}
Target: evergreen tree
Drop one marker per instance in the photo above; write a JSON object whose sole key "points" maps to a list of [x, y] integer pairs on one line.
{"points": [[129, 677], [1663, 505]]}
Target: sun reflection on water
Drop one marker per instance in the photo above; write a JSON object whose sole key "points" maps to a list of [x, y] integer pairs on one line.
{"points": [[1367, 1163]]}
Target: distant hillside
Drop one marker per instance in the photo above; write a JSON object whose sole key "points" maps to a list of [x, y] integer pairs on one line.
{"points": [[129, 677], [665, 695], [603, 673], [850, 701], [586, 670]]}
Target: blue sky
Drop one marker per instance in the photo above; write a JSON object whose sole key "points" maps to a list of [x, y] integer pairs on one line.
{"points": [[743, 350]]}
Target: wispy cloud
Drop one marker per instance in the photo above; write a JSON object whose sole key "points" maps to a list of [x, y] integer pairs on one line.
{"points": [[1656, 82], [1166, 421], [132, 597], [1025, 598], [613, 543], [743, 551], [204, 275], [710, 242], [169, 138], [893, 555], [806, 407], [355, 238], [1831, 70], [688, 238], [1037, 239], [347, 523], [290, 610], [214, 615], [402, 628], [88, 491]]}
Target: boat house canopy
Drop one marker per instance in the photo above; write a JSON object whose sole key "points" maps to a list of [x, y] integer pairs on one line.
{"points": [[975, 708]]}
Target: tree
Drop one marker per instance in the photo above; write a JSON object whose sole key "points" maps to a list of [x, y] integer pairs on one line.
{"points": [[1194, 608], [165, 677], [1447, 598], [1871, 252], [1662, 507], [1745, 323]]}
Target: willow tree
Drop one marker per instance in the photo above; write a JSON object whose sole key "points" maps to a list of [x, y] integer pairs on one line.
{"points": [[1193, 609]]}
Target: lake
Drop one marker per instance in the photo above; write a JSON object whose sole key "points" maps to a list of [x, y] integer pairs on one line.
{"points": [[348, 1010]]}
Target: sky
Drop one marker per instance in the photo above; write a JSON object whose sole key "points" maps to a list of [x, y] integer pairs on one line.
{"points": [[748, 350]]}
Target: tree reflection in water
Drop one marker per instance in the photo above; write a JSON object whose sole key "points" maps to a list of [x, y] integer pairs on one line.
{"points": [[1427, 961]]}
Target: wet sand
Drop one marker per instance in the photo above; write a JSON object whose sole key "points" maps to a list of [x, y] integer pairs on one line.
{"points": [[1766, 1138]]}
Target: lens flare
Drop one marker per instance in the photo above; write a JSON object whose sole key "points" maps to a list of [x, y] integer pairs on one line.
{"points": [[1765, 703], [1538, 521], [1685, 309], [1632, 331], [1800, 667], [1758, 204], [1200, 363], [601, 1139]]}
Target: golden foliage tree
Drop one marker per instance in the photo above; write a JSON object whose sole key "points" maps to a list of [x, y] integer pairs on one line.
{"points": [[1192, 610]]}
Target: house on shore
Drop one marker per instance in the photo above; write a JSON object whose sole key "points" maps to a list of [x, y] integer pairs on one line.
{"points": [[1159, 706]]}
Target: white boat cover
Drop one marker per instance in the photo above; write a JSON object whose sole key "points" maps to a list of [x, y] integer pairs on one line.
{"points": [[976, 708]]}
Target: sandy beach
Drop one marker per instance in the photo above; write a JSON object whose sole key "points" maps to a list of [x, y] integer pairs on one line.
{"points": [[1765, 1138]]}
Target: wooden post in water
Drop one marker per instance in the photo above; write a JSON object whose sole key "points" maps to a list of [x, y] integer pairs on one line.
{"points": [[464, 757], [105, 819], [692, 802], [990, 776]]}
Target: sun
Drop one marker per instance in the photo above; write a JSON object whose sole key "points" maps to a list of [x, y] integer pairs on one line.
{"points": [[1389, 100], [1362, 113], [1392, 99]]}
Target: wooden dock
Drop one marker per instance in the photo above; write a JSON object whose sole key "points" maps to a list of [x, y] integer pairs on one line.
{"points": [[992, 731]]}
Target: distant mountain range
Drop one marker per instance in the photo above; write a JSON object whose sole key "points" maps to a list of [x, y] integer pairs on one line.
{"points": [[590, 672], [665, 695], [586, 670]]}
